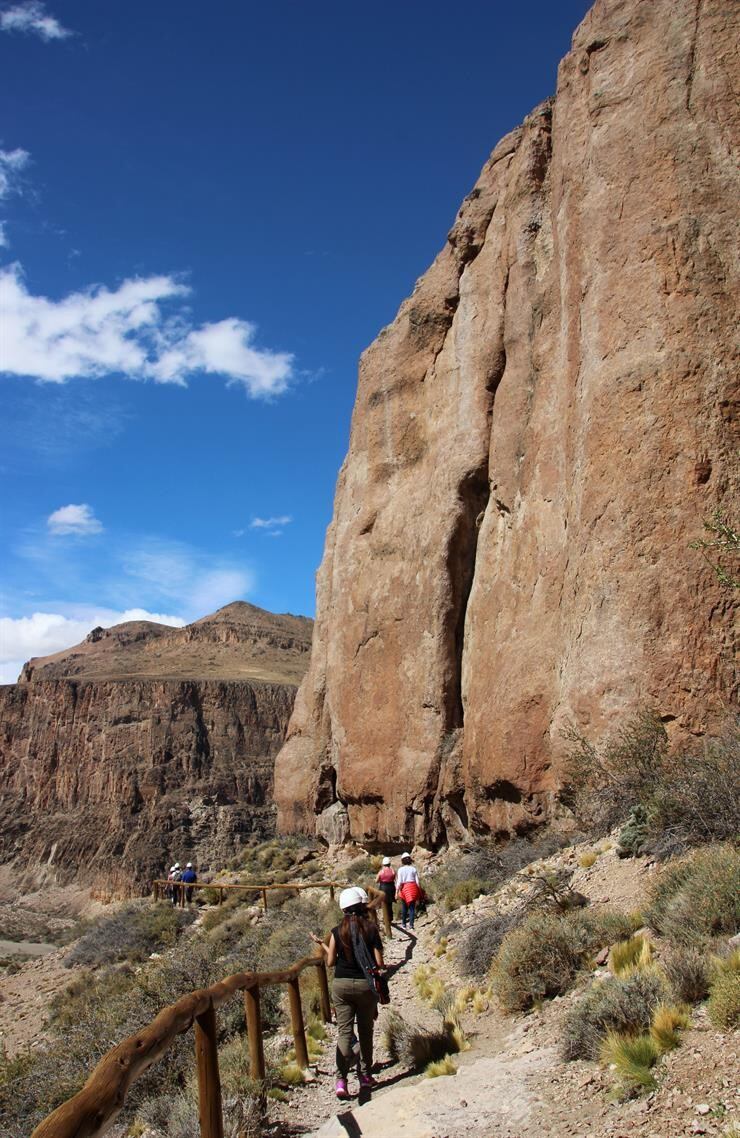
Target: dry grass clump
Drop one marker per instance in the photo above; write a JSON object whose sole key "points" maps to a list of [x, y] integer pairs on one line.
{"points": [[586, 860], [417, 1047], [629, 955], [668, 1023], [724, 992], [131, 933], [444, 1066], [687, 973], [624, 1005], [698, 897], [633, 1057]]}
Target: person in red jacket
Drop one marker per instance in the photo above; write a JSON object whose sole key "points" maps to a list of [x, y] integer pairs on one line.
{"points": [[408, 889]]}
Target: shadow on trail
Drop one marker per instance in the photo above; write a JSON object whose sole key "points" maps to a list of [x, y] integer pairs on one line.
{"points": [[408, 955]]}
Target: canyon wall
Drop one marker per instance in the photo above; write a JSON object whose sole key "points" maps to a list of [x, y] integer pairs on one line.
{"points": [[144, 745], [535, 443]]}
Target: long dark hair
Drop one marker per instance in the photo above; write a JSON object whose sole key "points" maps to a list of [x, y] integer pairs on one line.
{"points": [[360, 916]]}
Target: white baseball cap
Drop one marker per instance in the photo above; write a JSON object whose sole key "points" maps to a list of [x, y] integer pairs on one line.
{"points": [[386, 861], [352, 896], [405, 857], [189, 865]]}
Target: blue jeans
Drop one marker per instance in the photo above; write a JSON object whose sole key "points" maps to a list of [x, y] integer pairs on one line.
{"points": [[408, 909]]}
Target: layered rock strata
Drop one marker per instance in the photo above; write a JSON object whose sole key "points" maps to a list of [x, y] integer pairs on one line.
{"points": [[106, 781], [535, 443]]}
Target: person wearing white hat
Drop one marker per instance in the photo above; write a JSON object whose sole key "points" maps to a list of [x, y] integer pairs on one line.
{"points": [[408, 889], [189, 878], [354, 950], [386, 880]]}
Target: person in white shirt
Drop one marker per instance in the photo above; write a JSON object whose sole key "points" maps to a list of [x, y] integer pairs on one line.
{"points": [[408, 889]]}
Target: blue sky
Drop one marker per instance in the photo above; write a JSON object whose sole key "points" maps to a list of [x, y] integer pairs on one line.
{"points": [[208, 211]]}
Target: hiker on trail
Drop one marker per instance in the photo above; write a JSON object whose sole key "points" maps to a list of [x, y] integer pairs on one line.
{"points": [[175, 876], [408, 889], [355, 951], [386, 879], [188, 877]]}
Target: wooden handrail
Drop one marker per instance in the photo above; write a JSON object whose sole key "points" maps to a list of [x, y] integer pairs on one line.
{"points": [[92, 1110]]}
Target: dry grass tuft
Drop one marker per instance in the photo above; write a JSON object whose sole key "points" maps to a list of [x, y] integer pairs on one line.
{"points": [[444, 1066], [586, 860], [632, 1057], [668, 1023], [630, 956]]}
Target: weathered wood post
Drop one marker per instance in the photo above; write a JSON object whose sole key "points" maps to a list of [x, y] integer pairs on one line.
{"points": [[296, 1022], [331, 892], [253, 1015], [324, 989], [387, 928], [209, 1082], [264, 899]]}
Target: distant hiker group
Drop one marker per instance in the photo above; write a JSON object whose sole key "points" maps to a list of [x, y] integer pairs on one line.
{"points": [[403, 886], [179, 880]]}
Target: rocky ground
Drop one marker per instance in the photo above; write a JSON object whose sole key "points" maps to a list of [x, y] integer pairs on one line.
{"points": [[511, 1083]]}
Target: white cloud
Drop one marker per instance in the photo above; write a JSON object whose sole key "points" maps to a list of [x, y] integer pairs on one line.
{"points": [[126, 331], [44, 633], [33, 19], [73, 520], [11, 164], [271, 523], [176, 573]]}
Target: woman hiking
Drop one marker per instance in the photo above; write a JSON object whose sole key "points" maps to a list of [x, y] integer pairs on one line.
{"points": [[386, 880], [354, 951], [409, 889]]}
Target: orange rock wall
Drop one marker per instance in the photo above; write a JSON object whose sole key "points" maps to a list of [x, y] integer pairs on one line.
{"points": [[535, 442]]}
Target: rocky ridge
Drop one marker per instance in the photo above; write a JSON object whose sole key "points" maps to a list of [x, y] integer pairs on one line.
{"points": [[535, 443], [125, 752]]}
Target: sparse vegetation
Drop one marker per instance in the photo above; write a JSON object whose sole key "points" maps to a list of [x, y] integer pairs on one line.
{"points": [[536, 960], [625, 1006], [131, 933], [482, 941], [677, 797], [586, 860], [724, 993], [668, 1023], [687, 973], [698, 898], [417, 1047]]}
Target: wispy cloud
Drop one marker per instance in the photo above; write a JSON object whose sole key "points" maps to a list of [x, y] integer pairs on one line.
{"points": [[31, 18], [73, 519], [43, 633], [12, 162], [271, 524], [130, 331]]}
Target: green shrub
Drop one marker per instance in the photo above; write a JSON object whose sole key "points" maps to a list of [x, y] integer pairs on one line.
{"points": [[593, 930], [633, 1056], [698, 898], [724, 993], [463, 892], [538, 959], [677, 797], [687, 973], [131, 933], [621, 1005]]}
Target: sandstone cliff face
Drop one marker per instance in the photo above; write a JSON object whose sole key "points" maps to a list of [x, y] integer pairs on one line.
{"points": [[106, 783], [146, 744], [535, 442]]}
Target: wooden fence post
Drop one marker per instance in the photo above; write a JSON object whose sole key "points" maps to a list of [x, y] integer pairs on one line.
{"points": [[331, 892], [253, 1014], [324, 991], [209, 1082], [296, 1021], [387, 921], [264, 899]]}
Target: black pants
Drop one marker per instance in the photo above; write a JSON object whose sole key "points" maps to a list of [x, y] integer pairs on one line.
{"points": [[389, 889]]}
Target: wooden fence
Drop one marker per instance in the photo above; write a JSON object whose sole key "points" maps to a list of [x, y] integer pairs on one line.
{"points": [[97, 1105], [179, 889]]}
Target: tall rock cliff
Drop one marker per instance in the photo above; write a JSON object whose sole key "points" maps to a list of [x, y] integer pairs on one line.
{"points": [[119, 756], [535, 442]]}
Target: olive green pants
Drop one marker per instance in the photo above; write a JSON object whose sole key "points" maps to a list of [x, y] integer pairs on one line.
{"points": [[353, 1001]]}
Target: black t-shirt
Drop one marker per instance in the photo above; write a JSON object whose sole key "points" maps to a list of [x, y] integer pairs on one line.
{"points": [[346, 967]]}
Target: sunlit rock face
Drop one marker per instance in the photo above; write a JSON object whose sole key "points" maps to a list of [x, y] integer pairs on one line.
{"points": [[535, 442]]}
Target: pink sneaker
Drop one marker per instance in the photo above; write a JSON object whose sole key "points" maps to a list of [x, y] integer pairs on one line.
{"points": [[341, 1088], [367, 1082]]}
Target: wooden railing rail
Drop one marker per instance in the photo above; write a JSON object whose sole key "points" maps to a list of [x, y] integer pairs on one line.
{"points": [[90, 1112], [178, 889]]}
